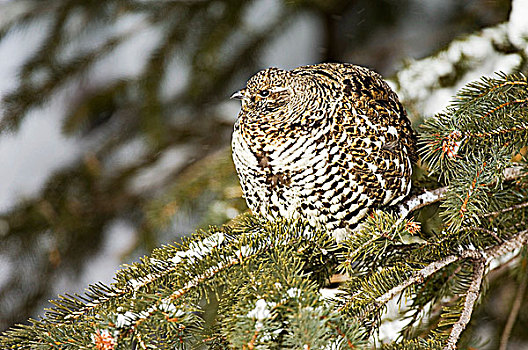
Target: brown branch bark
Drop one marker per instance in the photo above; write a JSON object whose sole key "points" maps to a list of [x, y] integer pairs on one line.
{"points": [[429, 197], [481, 258], [469, 304]]}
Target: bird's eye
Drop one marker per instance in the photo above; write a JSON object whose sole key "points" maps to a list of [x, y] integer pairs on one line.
{"points": [[264, 93]]}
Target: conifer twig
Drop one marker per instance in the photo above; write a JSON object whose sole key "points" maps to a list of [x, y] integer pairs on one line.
{"points": [[471, 298], [485, 230], [429, 197], [481, 258], [424, 274], [505, 210], [516, 242], [143, 316]]}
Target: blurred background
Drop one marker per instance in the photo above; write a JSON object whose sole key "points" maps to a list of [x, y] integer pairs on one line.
{"points": [[115, 119]]}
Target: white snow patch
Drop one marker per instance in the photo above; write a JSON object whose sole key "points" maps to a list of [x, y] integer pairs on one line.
{"points": [[334, 345], [199, 249], [260, 14], [518, 24], [167, 306], [261, 310], [330, 293], [170, 161], [419, 82], [293, 292], [260, 313], [124, 320], [243, 252], [392, 321], [127, 154], [34, 153], [135, 283]]}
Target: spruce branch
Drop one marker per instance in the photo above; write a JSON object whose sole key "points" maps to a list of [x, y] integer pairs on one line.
{"points": [[267, 276], [163, 291], [429, 197], [417, 277], [499, 107], [365, 305], [508, 209], [421, 200], [489, 118], [516, 242], [414, 344], [471, 298], [484, 230]]}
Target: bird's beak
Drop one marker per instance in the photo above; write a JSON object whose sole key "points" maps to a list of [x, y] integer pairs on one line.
{"points": [[239, 95]]}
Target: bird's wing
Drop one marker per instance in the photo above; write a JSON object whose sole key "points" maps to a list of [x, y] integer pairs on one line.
{"points": [[372, 128]]}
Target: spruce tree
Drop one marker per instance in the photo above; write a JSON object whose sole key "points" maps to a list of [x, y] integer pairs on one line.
{"points": [[258, 284], [417, 268]]}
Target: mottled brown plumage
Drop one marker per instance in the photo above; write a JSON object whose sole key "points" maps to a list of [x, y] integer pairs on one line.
{"points": [[327, 143]]}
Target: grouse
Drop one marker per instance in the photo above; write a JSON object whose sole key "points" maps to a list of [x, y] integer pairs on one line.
{"points": [[326, 143]]}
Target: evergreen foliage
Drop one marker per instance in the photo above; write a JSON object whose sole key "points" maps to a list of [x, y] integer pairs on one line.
{"points": [[136, 88], [268, 280]]}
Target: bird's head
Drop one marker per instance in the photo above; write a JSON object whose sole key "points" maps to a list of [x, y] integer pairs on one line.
{"points": [[267, 92]]}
